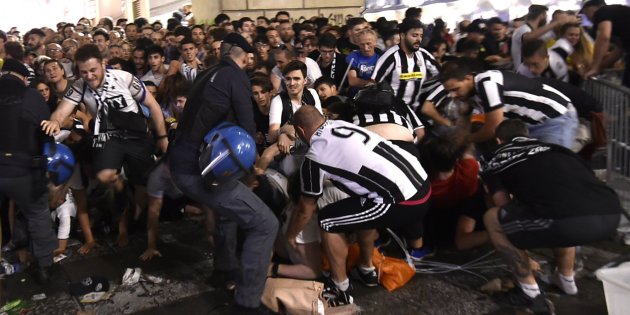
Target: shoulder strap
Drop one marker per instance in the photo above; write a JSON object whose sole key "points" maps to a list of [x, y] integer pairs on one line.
{"points": [[287, 108]]}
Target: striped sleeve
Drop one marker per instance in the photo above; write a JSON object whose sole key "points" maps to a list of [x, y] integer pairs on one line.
{"points": [[74, 94], [311, 178], [385, 65], [433, 67], [490, 90]]}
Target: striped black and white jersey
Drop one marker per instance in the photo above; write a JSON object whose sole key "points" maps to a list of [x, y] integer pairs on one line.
{"points": [[361, 163], [520, 97], [406, 74], [388, 117]]}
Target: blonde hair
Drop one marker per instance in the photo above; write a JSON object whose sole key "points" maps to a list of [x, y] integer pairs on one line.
{"points": [[582, 55]]}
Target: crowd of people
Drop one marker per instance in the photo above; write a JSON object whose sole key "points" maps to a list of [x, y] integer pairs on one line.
{"points": [[451, 139]]}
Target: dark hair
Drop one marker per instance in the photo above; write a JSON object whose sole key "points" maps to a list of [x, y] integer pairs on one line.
{"points": [[345, 110], [86, 52], [413, 13], [199, 26], [355, 21], [466, 45], [130, 24], [283, 13], [327, 40], [116, 61], [324, 80], [155, 49], [534, 47], [261, 39], [510, 129], [186, 41], [264, 18], [108, 21], [496, 20], [3, 36], [262, 81], [440, 153], [15, 50], [409, 24], [140, 22], [293, 66], [149, 83], [183, 30], [456, 69], [220, 18], [241, 21], [434, 44], [536, 10], [218, 33], [287, 50], [101, 32]]}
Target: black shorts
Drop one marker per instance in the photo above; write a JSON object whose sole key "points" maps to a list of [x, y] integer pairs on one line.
{"points": [[357, 213], [526, 230], [134, 154]]}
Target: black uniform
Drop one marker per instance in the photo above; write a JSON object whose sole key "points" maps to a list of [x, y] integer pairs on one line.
{"points": [[220, 94], [22, 167]]}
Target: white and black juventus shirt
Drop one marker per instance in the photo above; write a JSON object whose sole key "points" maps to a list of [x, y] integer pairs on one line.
{"points": [[522, 98], [386, 117], [558, 68], [119, 91], [405, 74], [360, 163]]}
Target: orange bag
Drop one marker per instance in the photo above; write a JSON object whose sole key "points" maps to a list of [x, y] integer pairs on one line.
{"points": [[393, 273]]}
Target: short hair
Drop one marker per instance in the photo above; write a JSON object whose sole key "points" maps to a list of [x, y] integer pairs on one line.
{"points": [[183, 30], [295, 65], [155, 49], [149, 83], [108, 21], [261, 39], [262, 81], [456, 69], [413, 13], [130, 24], [140, 22], [3, 36], [241, 21], [466, 45], [283, 13], [220, 18], [263, 18], [14, 49], [535, 47], [101, 32], [86, 52], [536, 10], [327, 40], [496, 20], [49, 61], [510, 129], [287, 50], [355, 21], [199, 26], [311, 38], [186, 41], [324, 80], [440, 154], [218, 33]]}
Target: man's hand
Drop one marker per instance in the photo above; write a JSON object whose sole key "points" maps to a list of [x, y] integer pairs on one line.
{"points": [[86, 248], [50, 127], [591, 72], [285, 143], [150, 253], [292, 242]]}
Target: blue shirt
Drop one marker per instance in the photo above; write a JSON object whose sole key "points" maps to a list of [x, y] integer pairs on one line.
{"points": [[362, 64]]}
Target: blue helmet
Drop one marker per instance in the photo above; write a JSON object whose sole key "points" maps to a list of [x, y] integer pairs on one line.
{"points": [[229, 152], [60, 162]]}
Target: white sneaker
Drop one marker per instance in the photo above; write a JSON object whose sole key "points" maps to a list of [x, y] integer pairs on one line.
{"points": [[567, 286]]}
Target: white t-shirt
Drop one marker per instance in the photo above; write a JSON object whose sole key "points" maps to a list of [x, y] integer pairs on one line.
{"points": [[558, 68], [517, 42], [275, 109], [312, 73]]}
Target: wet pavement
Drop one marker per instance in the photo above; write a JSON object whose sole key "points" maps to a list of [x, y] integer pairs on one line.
{"points": [[186, 266]]}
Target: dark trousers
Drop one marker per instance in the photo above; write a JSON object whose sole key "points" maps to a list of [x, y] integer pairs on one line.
{"points": [[242, 207], [30, 194]]}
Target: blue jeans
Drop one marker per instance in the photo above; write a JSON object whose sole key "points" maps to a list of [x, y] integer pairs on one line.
{"points": [[560, 130]]}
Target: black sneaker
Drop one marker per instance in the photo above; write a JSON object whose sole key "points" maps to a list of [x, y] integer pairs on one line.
{"points": [[369, 279], [516, 298], [336, 297]]}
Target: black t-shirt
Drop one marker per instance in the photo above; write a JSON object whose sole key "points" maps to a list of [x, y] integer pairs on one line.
{"points": [[618, 15], [553, 181], [262, 126], [339, 65]]}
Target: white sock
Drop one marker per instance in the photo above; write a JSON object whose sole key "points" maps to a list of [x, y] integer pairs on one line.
{"points": [[565, 278], [366, 270], [343, 286], [532, 290]]}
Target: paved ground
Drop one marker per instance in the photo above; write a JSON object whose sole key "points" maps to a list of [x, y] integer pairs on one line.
{"points": [[187, 264]]}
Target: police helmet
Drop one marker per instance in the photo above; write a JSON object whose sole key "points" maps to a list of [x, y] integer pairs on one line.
{"points": [[228, 152], [60, 162]]}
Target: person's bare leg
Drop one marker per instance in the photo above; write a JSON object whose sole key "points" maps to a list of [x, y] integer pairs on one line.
{"points": [[153, 218], [111, 178], [365, 239], [80, 198], [336, 249], [517, 259], [565, 259]]}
